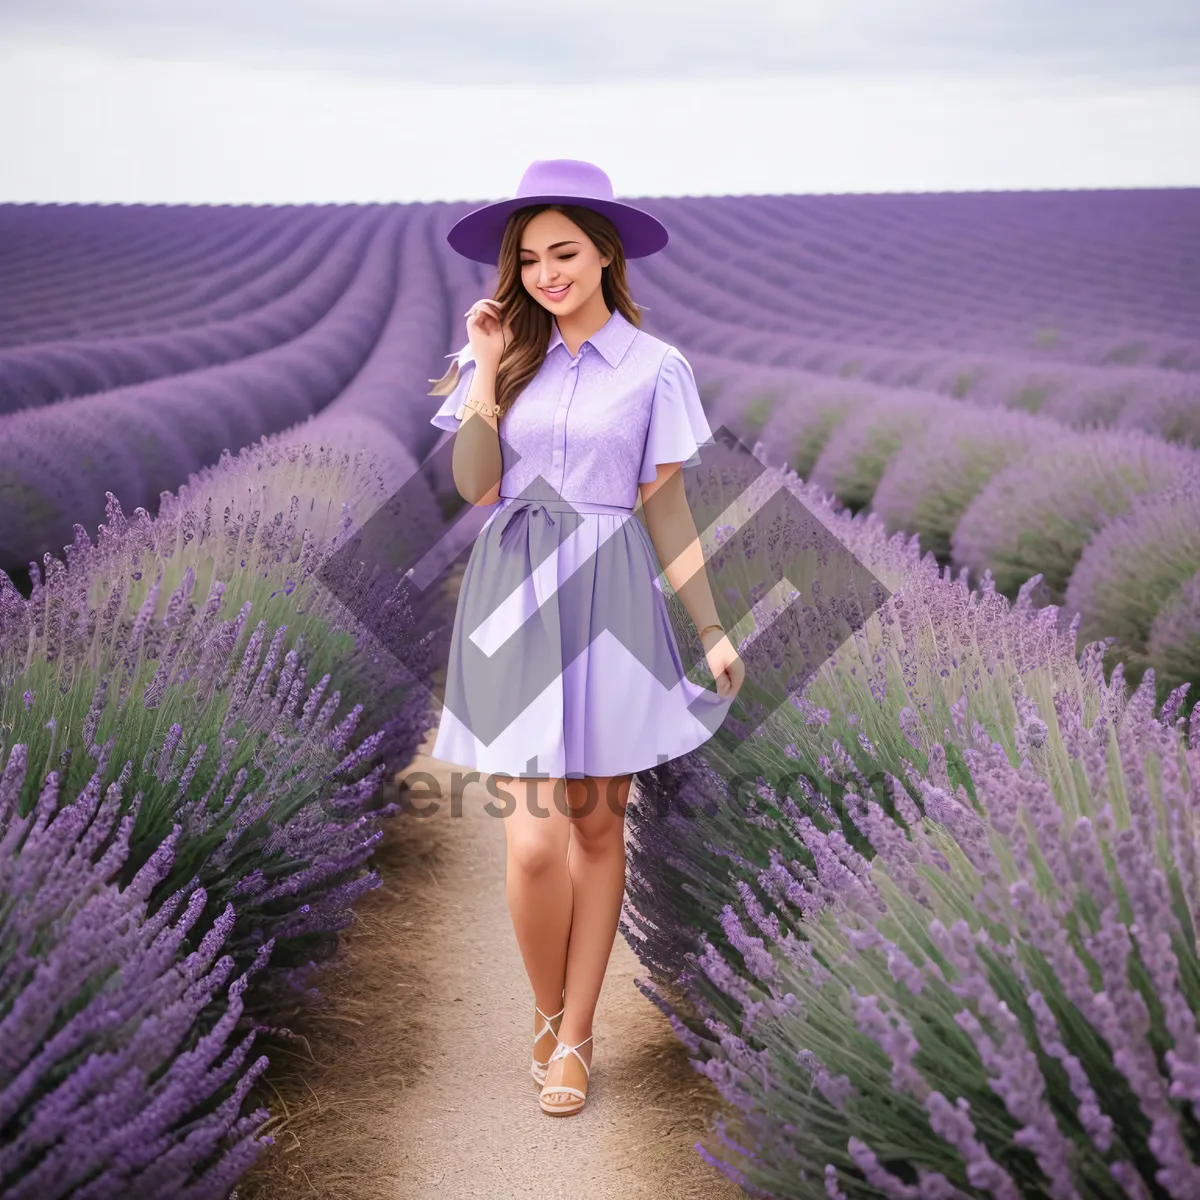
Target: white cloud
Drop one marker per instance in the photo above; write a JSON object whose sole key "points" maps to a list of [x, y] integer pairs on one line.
{"points": [[89, 125]]}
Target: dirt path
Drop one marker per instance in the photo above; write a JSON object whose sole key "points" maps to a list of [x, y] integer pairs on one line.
{"points": [[421, 1087]]}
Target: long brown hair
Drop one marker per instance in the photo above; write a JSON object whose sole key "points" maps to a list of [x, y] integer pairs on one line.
{"points": [[529, 323]]}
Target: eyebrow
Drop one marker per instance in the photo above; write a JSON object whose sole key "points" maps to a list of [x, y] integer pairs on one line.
{"points": [[528, 250]]}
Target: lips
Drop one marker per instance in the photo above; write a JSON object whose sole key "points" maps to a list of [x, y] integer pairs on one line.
{"points": [[557, 293]]}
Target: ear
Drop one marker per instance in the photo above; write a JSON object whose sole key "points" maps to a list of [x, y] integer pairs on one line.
{"points": [[604, 262]]}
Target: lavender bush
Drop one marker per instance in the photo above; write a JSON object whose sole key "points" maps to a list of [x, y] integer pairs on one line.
{"points": [[801, 428], [1172, 411], [253, 783], [945, 945], [888, 694], [1136, 565], [1037, 515], [935, 475], [236, 761], [1157, 401], [117, 1076], [813, 408], [857, 454], [1173, 647], [1001, 1000]]}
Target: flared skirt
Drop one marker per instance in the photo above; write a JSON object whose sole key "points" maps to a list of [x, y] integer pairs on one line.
{"points": [[563, 659]]}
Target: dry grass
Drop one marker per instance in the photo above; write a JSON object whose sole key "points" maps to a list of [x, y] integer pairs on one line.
{"points": [[331, 1095]]}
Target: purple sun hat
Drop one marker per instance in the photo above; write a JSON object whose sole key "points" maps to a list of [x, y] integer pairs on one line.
{"points": [[478, 235]]}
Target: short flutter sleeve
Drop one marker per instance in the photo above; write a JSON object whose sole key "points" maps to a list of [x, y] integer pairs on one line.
{"points": [[445, 417], [678, 426]]}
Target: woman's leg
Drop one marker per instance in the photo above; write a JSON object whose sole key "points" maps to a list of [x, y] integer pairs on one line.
{"points": [[538, 888], [596, 861]]}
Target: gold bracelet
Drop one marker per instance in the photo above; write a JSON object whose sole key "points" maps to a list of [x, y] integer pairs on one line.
{"points": [[708, 627], [462, 410]]}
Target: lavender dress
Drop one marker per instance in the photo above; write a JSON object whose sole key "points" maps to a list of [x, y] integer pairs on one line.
{"points": [[563, 661]]}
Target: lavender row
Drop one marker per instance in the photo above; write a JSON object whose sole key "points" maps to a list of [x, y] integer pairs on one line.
{"points": [[1102, 517], [107, 1086], [943, 943], [1034, 276], [80, 271], [1070, 277], [1007, 493], [237, 312], [244, 790], [146, 439], [699, 315]]}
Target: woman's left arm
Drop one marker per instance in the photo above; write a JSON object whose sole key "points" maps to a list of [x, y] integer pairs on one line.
{"points": [[677, 430], [672, 530]]}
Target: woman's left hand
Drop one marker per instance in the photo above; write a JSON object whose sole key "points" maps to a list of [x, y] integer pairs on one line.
{"points": [[724, 662]]}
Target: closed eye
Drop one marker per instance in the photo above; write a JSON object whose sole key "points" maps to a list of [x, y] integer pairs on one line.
{"points": [[531, 262]]}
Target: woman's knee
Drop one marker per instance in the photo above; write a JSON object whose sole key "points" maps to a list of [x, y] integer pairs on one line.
{"points": [[599, 845], [598, 827], [536, 855], [594, 800]]}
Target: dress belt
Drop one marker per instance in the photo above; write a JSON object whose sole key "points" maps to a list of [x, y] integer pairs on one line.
{"points": [[522, 510]]}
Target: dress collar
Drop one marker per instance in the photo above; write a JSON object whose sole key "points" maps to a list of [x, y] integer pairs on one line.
{"points": [[612, 339]]}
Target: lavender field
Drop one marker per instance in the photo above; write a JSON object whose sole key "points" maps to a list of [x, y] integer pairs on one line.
{"points": [[1001, 374], [981, 805]]}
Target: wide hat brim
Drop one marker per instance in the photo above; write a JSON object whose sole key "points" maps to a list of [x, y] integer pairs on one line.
{"points": [[479, 234]]}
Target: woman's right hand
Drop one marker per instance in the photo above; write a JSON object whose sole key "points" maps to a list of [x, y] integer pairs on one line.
{"points": [[488, 335]]}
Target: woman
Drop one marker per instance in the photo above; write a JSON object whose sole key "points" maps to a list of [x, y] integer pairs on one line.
{"points": [[564, 672]]}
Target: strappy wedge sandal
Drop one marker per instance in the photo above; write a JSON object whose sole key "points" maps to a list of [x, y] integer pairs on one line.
{"points": [[571, 1106], [538, 1069]]}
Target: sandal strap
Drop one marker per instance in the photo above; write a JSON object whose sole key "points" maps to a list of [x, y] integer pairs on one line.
{"points": [[562, 1050], [546, 1028]]}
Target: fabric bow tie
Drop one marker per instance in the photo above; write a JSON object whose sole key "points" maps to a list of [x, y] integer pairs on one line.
{"points": [[526, 508]]}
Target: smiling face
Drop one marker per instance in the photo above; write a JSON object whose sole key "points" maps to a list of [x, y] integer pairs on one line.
{"points": [[560, 265]]}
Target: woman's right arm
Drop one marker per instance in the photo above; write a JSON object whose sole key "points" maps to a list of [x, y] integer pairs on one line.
{"points": [[477, 464]]}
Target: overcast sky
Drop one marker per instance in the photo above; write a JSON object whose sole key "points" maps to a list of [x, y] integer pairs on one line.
{"points": [[275, 101]]}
